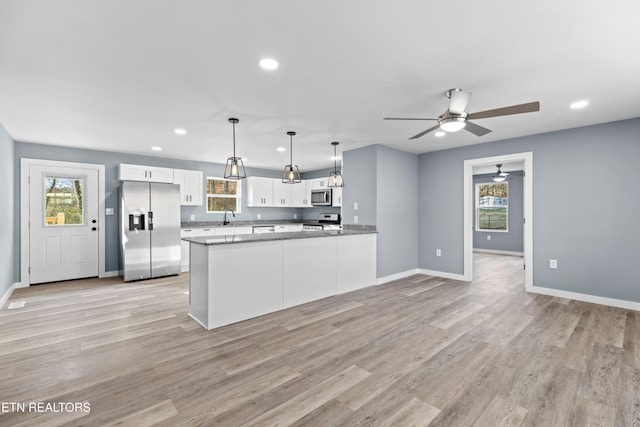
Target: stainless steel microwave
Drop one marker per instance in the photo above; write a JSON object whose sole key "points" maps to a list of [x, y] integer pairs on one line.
{"points": [[321, 197]]}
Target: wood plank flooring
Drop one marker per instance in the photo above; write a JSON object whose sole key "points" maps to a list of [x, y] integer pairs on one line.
{"points": [[419, 351]]}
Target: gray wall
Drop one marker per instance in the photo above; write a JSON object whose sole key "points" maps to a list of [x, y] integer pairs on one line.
{"points": [[585, 212], [383, 181], [111, 161], [513, 239], [359, 172], [8, 236], [397, 211]]}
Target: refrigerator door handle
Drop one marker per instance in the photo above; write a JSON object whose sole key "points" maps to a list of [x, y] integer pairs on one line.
{"points": [[150, 220]]}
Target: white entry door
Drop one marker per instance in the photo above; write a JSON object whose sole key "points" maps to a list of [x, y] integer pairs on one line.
{"points": [[63, 223]]}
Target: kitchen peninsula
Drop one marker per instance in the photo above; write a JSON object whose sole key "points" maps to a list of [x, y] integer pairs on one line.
{"points": [[237, 277]]}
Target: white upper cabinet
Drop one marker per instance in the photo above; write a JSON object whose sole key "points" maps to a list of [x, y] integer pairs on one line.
{"points": [[259, 191], [301, 195], [336, 196], [282, 193], [128, 172], [319, 183], [191, 186]]}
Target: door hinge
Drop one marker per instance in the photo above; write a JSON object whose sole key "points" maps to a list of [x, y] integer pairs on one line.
{"points": [[524, 266], [524, 220], [29, 179], [29, 268]]}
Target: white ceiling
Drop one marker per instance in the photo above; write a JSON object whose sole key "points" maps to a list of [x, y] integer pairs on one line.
{"points": [[122, 75]]}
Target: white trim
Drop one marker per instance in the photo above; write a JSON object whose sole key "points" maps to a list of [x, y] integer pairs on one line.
{"points": [[498, 252], [110, 274], [198, 322], [7, 294], [442, 274], [612, 302], [397, 276], [25, 165], [528, 211]]}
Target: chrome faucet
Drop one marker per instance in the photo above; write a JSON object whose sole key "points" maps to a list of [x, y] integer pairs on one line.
{"points": [[225, 222]]}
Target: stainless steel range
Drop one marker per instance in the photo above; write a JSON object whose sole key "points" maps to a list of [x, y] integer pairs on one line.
{"points": [[326, 222]]}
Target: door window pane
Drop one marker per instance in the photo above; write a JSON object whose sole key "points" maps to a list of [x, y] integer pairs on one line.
{"points": [[63, 201]]}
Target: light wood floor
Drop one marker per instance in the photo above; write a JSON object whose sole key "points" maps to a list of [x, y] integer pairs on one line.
{"points": [[419, 351]]}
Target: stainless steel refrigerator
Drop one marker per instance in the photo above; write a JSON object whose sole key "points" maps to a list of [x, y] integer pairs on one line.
{"points": [[150, 225]]}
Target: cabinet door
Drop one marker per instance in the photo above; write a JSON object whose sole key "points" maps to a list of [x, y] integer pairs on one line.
{"points": [[133, 173], [336, 196], [160, 174], [301, 195], [184, 246], [195, 187], [191, 186], [294, 227], [319, 183], [205, 232], [282, 193], [259, 191], [180, 178]]}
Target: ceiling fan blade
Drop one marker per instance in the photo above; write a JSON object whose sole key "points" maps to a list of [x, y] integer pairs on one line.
{"points": [[459, 101], [475, 129], [404, 118], [506, 111], [425, 132]]}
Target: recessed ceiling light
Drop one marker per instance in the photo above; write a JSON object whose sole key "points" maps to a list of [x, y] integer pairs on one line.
{"points": [[282, 149], [156, 148], [579, 104], [268, 64], [180, 131], [440, 134]]}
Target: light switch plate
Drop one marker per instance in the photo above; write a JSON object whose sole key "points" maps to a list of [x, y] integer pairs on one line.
{"points": [[108, 211], [193, 217], [355, 206], [355, 219]]}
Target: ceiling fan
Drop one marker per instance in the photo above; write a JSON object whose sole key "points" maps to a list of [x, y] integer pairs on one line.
{"points": [[500, 176], [456, 118]]}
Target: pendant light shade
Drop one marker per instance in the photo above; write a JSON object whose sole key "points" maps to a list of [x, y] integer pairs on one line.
{"points": [[499, 176], [234, 169], [335, 177], [291, 173]]}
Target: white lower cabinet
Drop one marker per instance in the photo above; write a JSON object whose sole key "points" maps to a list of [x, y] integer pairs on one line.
{"points": [[184, 254], [357, 250], [305, 279], [233, 231], [252, 278]]}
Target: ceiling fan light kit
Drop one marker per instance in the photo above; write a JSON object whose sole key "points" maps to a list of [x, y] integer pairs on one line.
{"points": [[500, 176], [456, 118], [234, 168], [291, 174]]}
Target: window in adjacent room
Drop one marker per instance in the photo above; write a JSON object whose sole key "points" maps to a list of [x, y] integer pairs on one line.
{"points": [[492, 206], [223, 194]]}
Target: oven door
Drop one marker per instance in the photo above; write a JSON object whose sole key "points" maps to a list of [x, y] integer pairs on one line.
{"points": [[321, 197]]}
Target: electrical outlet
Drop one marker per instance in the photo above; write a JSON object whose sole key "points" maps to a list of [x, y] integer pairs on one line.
{"points": [[355, 206], [355, 219], [108, 211], [193, 217], [438, 252], [553, 263], [259, 216], [295, 216], [488, 236]]}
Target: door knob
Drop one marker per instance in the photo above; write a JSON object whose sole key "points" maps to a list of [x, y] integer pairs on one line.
{"points": [[94, 221]]}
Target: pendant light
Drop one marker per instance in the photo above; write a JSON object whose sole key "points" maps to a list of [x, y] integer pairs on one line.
{"points": [[234, 169], [499, 176], [291, 173], [335, 177]]}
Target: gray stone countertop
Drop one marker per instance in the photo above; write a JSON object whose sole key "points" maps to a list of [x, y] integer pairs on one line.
{"points": [[267, 237]]}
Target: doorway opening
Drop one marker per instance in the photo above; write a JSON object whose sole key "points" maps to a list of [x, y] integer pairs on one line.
{"points": [[516, 162]]}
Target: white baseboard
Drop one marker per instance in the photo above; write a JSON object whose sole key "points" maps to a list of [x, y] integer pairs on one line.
{"points": [[110, 274], [443, 274], [397, 276], [612, 302], [498, 252], [7, 294]]}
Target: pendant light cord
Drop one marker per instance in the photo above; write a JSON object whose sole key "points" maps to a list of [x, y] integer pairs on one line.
{"points": [[234, 140], [291, 150]]}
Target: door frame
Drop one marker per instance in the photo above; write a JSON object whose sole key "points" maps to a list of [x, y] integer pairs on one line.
{"points": [[527, 157], [25, 166]]}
